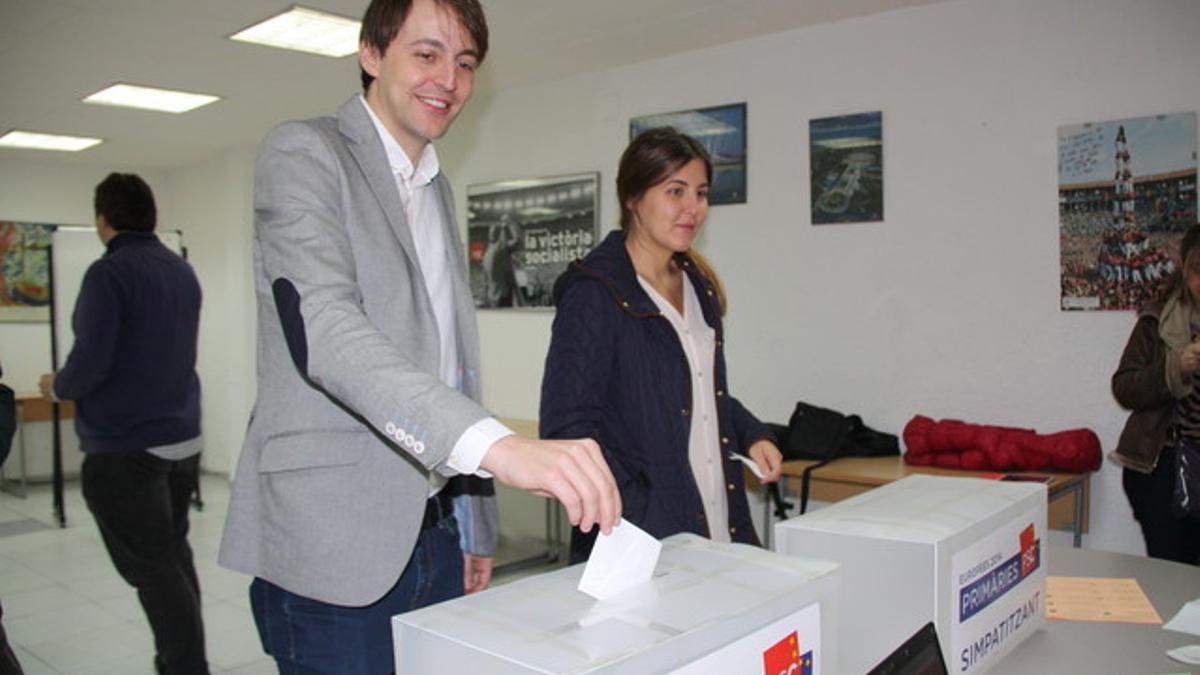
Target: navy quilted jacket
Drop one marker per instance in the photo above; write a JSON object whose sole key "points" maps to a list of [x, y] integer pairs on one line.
{"points": [[617, 373]]}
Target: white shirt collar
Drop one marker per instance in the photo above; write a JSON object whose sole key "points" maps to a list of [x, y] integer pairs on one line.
{"points": [[427, 166]]}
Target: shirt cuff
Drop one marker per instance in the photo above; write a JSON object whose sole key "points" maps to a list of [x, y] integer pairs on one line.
{"points": [[468, 452]]}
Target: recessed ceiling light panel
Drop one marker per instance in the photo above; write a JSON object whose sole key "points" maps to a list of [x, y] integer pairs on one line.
{"points": [[150, 98], [38, 141], [305, 30]]}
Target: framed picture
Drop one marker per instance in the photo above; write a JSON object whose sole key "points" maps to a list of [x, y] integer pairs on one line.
{"points": [[25, 271], [846, 168], [1126, 195], [521, 234], [722, 131]]}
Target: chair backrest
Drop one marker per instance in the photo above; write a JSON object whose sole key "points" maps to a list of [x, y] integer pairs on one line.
{"points": [[8, 420]]}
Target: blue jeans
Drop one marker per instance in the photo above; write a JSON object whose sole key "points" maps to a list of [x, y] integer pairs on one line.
{"points": [[310, 637]]}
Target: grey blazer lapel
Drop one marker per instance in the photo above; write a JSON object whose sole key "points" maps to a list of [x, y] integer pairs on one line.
{"points": [[367, 149]]}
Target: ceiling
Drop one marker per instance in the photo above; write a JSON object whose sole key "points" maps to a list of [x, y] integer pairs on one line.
{"points": [[55, 52]]}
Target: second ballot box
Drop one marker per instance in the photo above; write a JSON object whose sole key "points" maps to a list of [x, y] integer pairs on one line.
{"points": [[965, 553]]}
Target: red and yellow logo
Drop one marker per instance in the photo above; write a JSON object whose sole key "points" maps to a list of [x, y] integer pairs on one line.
{"points": [[784, 658]]}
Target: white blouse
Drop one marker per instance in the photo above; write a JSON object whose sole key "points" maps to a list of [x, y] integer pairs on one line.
{"points": [[704, 448]]}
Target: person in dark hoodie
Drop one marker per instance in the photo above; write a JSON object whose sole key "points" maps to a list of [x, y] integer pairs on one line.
{"points": [[637, 363], [132, 375]]}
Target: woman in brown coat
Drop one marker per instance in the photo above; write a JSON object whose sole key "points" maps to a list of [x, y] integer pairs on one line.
{"points": [[1157, 381]]}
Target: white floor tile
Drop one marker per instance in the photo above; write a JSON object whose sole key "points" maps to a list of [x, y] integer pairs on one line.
{"points": [[117, 641], [43, 599], [54, 624], [31, 664]]}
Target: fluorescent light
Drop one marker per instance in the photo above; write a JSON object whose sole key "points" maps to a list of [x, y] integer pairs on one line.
{"points": [[36, 141], [149, 98], [305, 30]]}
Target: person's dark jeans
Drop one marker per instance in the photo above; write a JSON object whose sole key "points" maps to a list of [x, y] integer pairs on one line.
{"points": [[1167, 536], [310, 637], [8, 660], [140, 503]]}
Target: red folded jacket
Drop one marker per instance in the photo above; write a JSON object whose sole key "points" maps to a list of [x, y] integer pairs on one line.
{"points": [[955, 444]]}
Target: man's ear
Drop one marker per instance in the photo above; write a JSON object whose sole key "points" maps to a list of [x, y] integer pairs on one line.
{"points": [[369, 58]]}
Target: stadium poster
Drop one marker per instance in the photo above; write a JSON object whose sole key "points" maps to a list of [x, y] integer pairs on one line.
{"points": [[1126, 195], [522, 233], [722, 131], [25, 271], [846, 168]]}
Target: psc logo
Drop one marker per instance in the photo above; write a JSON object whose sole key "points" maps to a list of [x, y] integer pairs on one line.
{"points": [[1030, 552], [784, 658]]}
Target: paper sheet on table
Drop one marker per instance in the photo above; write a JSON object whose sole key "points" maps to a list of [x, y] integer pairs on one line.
{"points": [[1098, 599], [1187, 620], [1189, 654], [620, 560]]}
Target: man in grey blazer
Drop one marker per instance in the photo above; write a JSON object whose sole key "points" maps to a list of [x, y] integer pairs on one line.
{"points": [[368, 365]]}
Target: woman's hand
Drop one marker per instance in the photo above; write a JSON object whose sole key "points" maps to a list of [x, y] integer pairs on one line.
{"points": [[768, 458], [1189, 358]]}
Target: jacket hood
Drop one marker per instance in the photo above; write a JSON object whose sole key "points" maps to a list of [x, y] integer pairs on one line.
{"points": [[610, 264]]}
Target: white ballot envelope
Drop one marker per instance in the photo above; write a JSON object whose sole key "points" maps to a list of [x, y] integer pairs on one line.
{"points": [[753, 465], [620, 560]]}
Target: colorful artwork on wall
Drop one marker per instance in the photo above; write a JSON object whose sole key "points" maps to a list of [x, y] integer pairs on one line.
{"points": [[25, 271], [1126, 195]]}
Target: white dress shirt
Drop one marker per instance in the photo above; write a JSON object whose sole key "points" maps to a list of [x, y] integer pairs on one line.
{"points": [[704, 449], [427, 221]]}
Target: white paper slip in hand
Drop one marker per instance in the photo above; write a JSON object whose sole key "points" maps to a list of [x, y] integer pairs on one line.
{"points": [[748, 462], [620, 560]]}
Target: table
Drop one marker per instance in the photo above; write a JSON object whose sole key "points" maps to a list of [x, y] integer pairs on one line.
{"points": [[554, 550], [849, 476], [34, 408], [1097, 647]]}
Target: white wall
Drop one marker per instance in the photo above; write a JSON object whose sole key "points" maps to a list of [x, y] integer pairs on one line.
{"points": [[212, 204], [950, 307]]}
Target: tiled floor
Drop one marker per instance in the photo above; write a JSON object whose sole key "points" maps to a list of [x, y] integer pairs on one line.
{"points": [[67, 611]]}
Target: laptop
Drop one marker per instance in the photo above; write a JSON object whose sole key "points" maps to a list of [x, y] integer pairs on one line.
{"points": [[920, 654]]}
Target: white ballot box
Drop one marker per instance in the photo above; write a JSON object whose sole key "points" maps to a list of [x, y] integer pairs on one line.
{"points": [[709, 608], [964, 553]]}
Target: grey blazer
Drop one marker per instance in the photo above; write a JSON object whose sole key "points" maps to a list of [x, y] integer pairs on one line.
{"points": [[350, 416]]}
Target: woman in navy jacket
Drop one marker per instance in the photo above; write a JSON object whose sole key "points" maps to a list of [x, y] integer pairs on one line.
{"points": [[637, 363]]}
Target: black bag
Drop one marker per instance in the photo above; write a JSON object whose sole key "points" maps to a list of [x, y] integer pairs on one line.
{"points": [[822, 434], [1185, 502]]}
